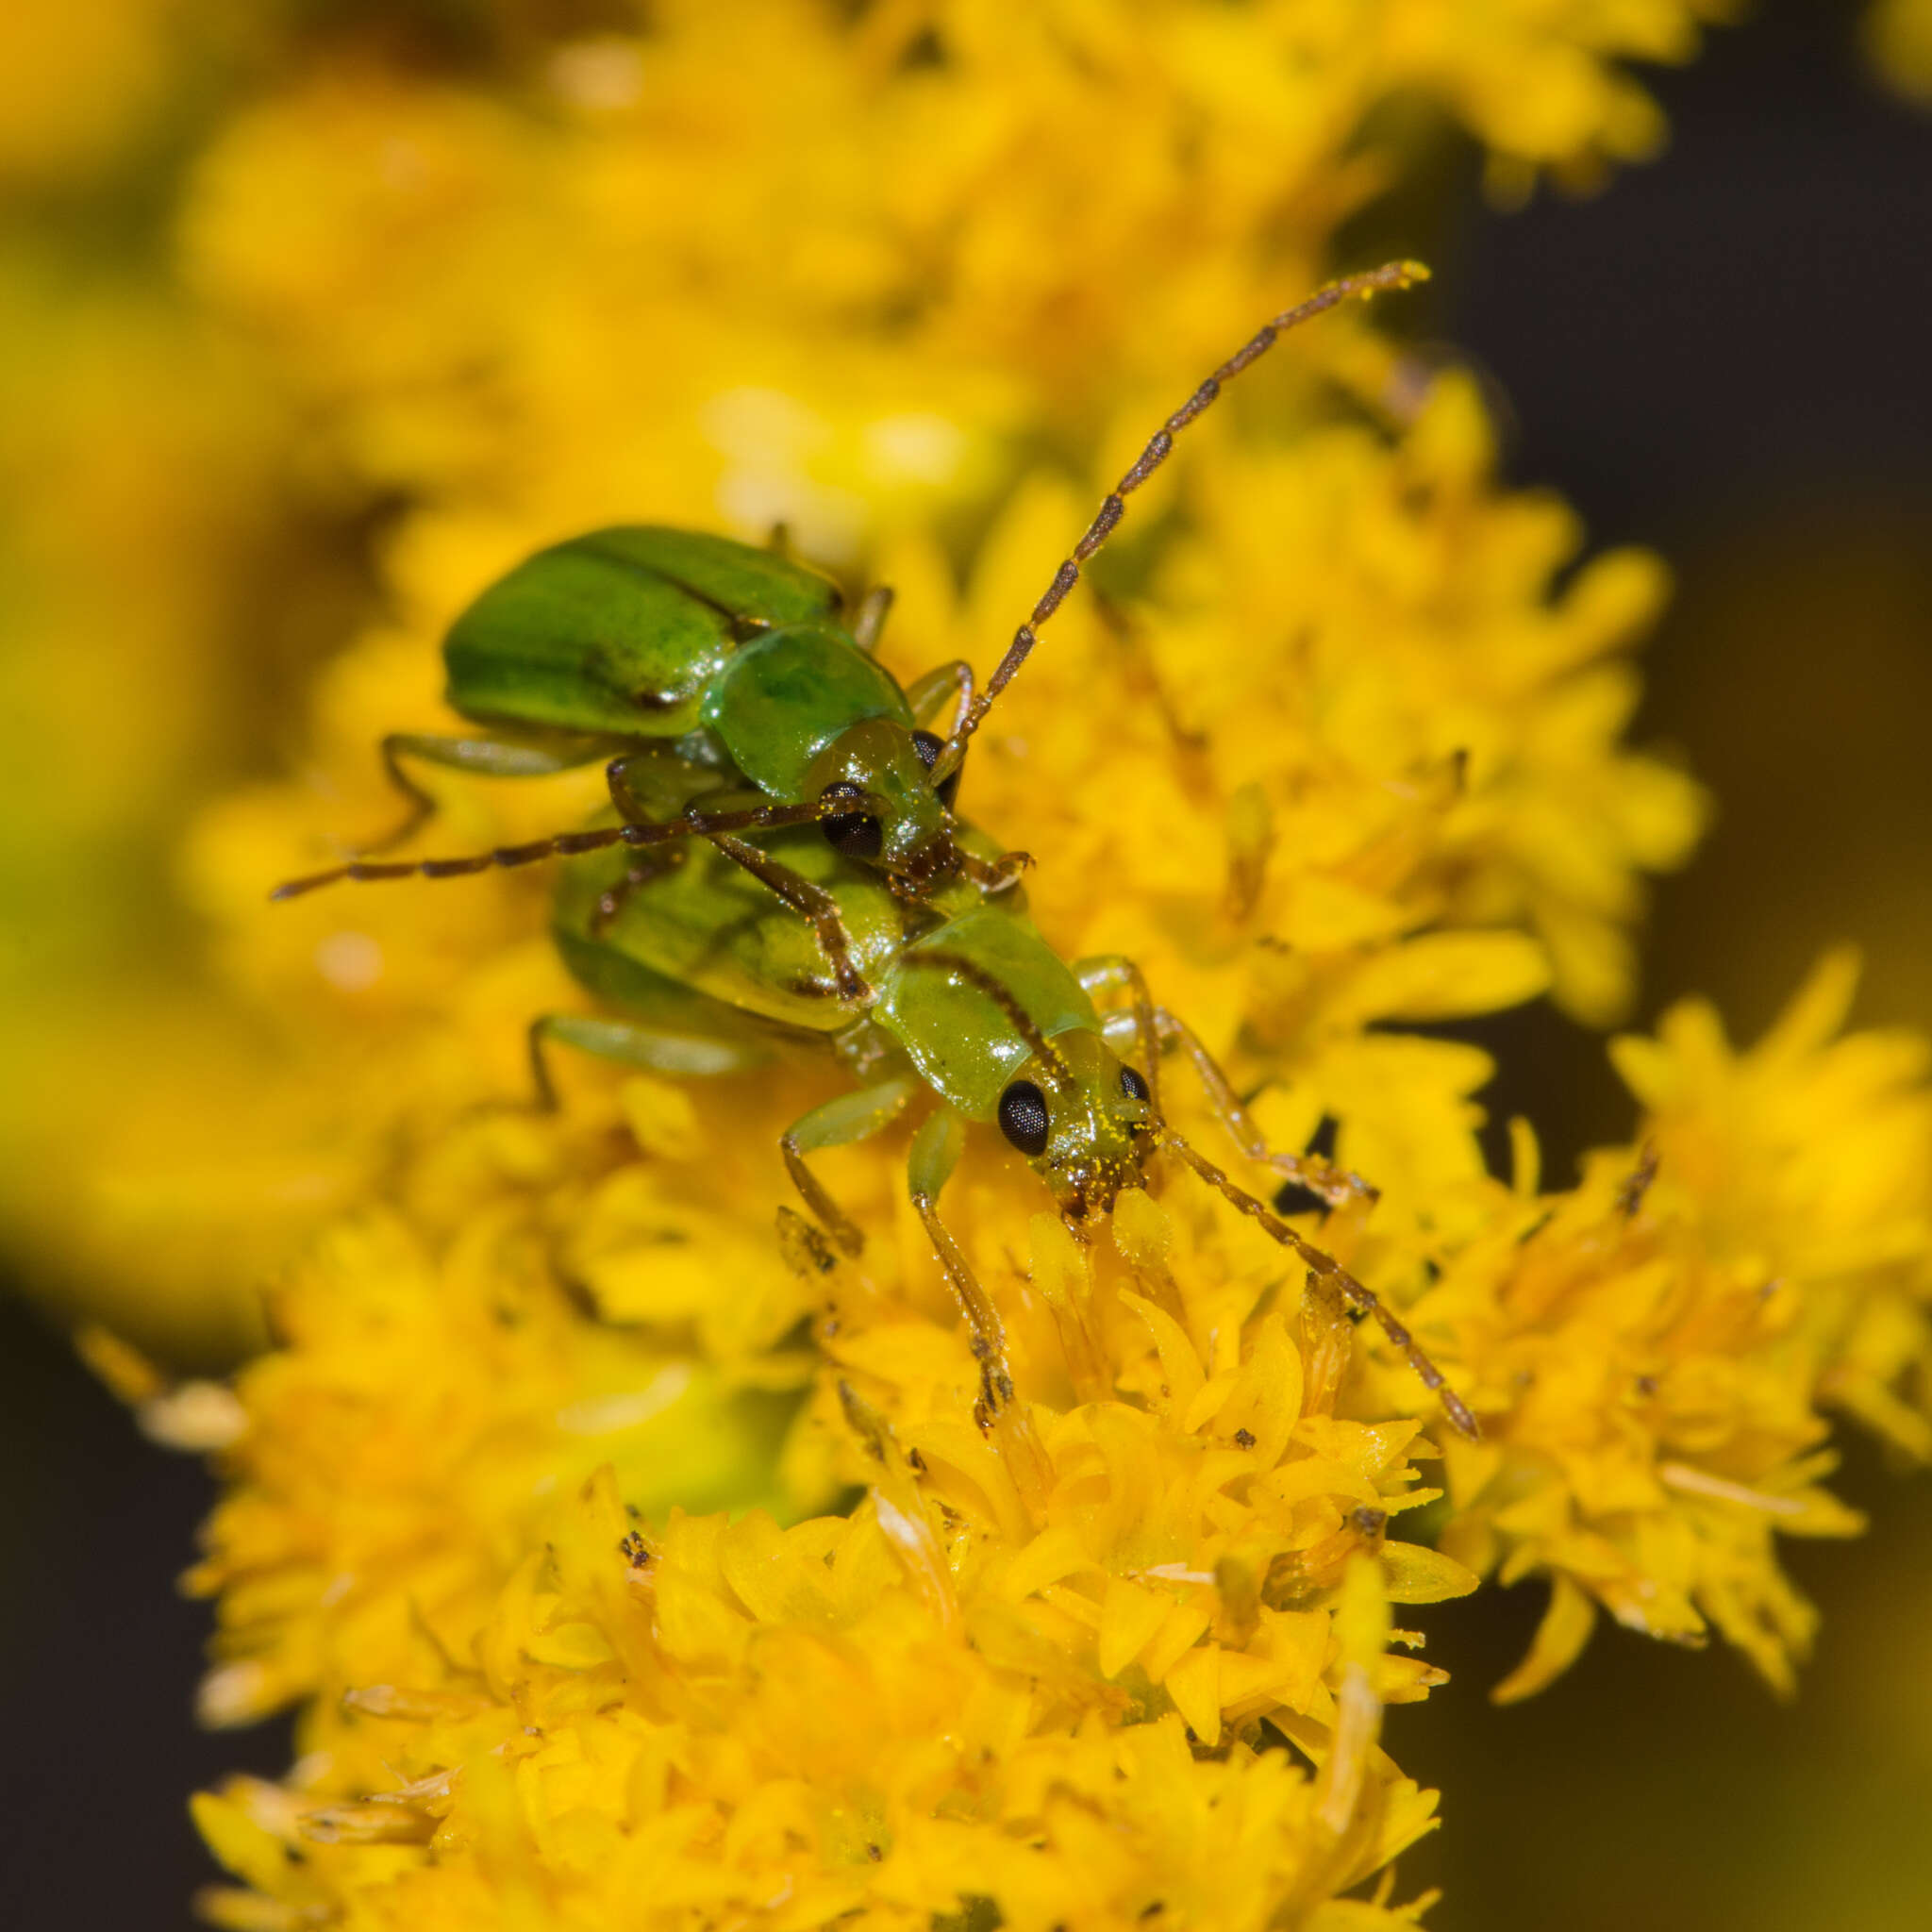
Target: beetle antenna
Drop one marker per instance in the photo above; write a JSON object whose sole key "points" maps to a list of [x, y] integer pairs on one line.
{"points": [[692, 824], [1333, 1275], [1393, 275]]}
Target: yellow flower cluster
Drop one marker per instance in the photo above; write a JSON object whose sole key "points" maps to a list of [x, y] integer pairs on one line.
{"points": [[1032, 1667], [1194, 1456], [1441, 745], [627, 1564], [1660, 1348], [851, 269], [832, 1723], [1051, 1658], [408, 1429], [814, 257]]}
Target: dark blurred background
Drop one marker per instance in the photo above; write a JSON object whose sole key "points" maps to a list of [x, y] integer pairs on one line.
{"points": [[1725, 355]]}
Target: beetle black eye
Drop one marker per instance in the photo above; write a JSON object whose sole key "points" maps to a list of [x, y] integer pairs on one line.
{"points": [[1132, 1084], [852, 834], [1022, 1117], [928, 745]]}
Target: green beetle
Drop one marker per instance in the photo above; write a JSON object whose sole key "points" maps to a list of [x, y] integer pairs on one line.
{"points": [[632, 644], [961, 1001], [733, 657]]}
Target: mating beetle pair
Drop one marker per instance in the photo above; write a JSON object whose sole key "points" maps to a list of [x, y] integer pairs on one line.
{"points": [[728, 700], [664, 650]]}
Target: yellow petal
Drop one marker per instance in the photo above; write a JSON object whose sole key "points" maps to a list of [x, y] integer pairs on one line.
{"points": [[1129, 1616], [1194, 1684], [1558, 1643], [1414, 1575]]}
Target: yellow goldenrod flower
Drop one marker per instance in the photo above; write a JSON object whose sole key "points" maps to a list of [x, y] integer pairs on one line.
{"points": [[902, 198], [1441, 745], [76, 86], [1056, 1623], [1380, 842], [858, 288], [1122, 1581], [625, 1562], [1654, 1354], [1806, 1160], [1044, 1694], [410, 1427]]}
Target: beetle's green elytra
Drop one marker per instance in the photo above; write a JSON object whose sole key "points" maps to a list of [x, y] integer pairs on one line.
{"points": [[624, 631], [941, 1018]]}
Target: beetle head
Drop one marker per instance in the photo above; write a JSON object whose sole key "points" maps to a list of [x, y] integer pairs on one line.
{"points": [[907, 832], [1083, 1118]]}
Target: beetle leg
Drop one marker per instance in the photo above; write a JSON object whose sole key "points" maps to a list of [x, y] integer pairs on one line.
{"points": [[483, 758], [1336, 1186], [839, 1122], [869, 620], [641, 803], [931, 689], [642, 872], [995, 875], [926, 695], [936, 1150], [657, 1050], [810, 902]]}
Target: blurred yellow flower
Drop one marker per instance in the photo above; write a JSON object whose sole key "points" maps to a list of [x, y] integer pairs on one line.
{"points": [[77, 86], [1898, 39], [904, 208]]}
